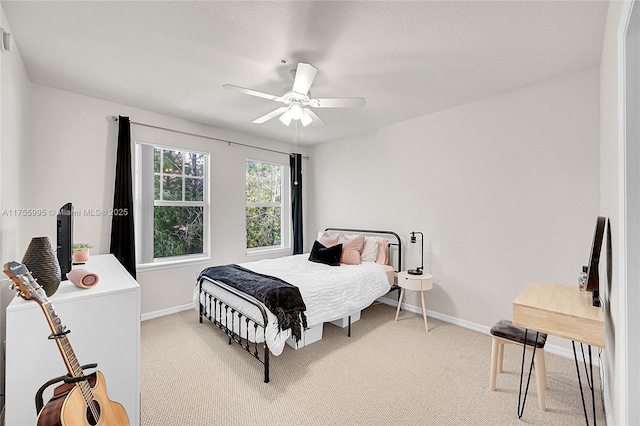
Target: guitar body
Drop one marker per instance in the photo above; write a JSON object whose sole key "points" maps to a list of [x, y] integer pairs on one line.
{"points": [[67, 406]]}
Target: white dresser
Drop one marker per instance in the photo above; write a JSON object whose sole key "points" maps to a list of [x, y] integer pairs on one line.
{"points": [[105, 329]]}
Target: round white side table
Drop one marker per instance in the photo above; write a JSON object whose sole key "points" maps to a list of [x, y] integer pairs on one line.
{"points": [[419, 283]]}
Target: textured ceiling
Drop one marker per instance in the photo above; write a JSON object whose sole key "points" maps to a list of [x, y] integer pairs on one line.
{"points": [[407, 59]]}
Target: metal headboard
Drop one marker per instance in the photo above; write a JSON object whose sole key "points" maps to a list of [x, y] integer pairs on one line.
{"points": [[397, 244]]}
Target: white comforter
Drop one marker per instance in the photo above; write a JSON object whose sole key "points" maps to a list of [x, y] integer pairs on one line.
{"points": [[329, 292]]}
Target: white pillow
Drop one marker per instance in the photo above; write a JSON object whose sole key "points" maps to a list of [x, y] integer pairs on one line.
{"points": [[370, 250]]}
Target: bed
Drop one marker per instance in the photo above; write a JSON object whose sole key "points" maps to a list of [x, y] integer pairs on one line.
{"points": [[330, 293]]}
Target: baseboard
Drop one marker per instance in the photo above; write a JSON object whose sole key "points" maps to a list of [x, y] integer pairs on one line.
{"points": [[163, 312], [554, 349]]}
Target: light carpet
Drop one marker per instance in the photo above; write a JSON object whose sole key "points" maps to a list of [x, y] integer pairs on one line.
{"points": [[387, 373]]}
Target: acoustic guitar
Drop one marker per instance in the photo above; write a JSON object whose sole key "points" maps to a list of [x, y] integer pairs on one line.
{"points": [[82, 400]]}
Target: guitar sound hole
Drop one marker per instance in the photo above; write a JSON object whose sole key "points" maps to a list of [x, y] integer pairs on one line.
{"points": [[93, 413]]}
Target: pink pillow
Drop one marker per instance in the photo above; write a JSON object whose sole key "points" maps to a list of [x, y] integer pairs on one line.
{"points": [[351, 249], [383, 251], [327, 240]]}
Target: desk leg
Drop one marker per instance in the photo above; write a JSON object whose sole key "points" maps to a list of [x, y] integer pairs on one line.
{"points": [[522, 401], [593, 391], [591, 383]]}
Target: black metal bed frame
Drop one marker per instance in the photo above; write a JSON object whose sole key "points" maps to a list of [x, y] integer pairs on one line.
{"points": [[216, 305]]}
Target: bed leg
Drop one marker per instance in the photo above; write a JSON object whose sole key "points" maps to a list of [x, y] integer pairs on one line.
{"points": [[201, 309], [349, 329], [266, 363]]}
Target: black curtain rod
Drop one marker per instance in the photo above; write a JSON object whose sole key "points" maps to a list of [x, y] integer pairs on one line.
{"points": [[115, 118]]}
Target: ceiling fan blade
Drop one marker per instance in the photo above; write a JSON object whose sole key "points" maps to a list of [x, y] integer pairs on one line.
{"points": [[316, 120], [252, 92], [270, 115], [338, 102], [305, 74]]}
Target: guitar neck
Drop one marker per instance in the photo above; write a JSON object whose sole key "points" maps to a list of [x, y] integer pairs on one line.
{"points": [[59, 334]]}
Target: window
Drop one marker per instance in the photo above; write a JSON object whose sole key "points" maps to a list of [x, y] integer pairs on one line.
{"points": [[172, 192], [267, 217]]}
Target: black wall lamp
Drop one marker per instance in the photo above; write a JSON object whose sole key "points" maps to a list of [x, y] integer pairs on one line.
{"points": [[418, 271]]}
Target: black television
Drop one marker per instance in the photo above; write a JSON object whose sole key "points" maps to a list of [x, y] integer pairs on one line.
{"points": [[593, 273], [64, 239]]}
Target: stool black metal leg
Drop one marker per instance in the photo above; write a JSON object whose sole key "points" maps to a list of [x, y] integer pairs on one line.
{"points": [[522, 401]]}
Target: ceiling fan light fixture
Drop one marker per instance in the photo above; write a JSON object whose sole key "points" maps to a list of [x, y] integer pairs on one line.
{"points": [[305, 118], [286, 117], [296, 111]]}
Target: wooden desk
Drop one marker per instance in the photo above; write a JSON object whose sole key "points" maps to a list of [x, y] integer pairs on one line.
{"points": [[560, 310], [563, 311]]}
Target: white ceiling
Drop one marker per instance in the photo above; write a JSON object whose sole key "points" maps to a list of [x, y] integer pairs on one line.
{"points": [[406, 58]]}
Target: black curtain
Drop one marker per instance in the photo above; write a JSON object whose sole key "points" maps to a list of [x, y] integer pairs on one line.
{"points": [[295, 162], [122, 236]]}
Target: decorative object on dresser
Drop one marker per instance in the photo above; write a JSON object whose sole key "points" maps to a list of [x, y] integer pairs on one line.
{"points": [[82, 278], [421, 283], [43, 262], [418, 271], [82, 399], [81, 253], [334, 293]]}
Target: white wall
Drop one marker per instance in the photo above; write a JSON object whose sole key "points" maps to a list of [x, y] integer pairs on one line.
{"points": [[14, 164], [72, 158], [505, 189], [623, 386]]}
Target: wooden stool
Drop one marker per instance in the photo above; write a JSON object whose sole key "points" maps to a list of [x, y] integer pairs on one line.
{"points": [[504, 332]]}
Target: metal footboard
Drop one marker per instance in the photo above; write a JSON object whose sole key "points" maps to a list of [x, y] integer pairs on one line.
{"points": [[218, 313]]}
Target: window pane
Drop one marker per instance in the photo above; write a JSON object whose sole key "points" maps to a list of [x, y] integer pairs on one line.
{"points": [[193, 189], [156, 187], [263, 226], [269, 178], [178, 230], [156, 160], [251, 182], [172, 188], [252, 191], [277, 184], [172, 161], [194, 164]]}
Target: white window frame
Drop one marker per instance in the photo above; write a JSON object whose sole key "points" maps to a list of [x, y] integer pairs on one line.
{"points": [[145, 203], [285, 211]]}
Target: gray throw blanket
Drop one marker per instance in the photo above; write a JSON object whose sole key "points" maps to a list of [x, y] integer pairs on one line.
{"points": [[281, 298]]}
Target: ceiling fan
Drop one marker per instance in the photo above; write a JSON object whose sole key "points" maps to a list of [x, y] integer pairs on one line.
{"points": [[298, 101]]}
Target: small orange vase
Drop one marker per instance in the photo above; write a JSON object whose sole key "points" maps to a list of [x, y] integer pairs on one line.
{"points": [[80, 255]]}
